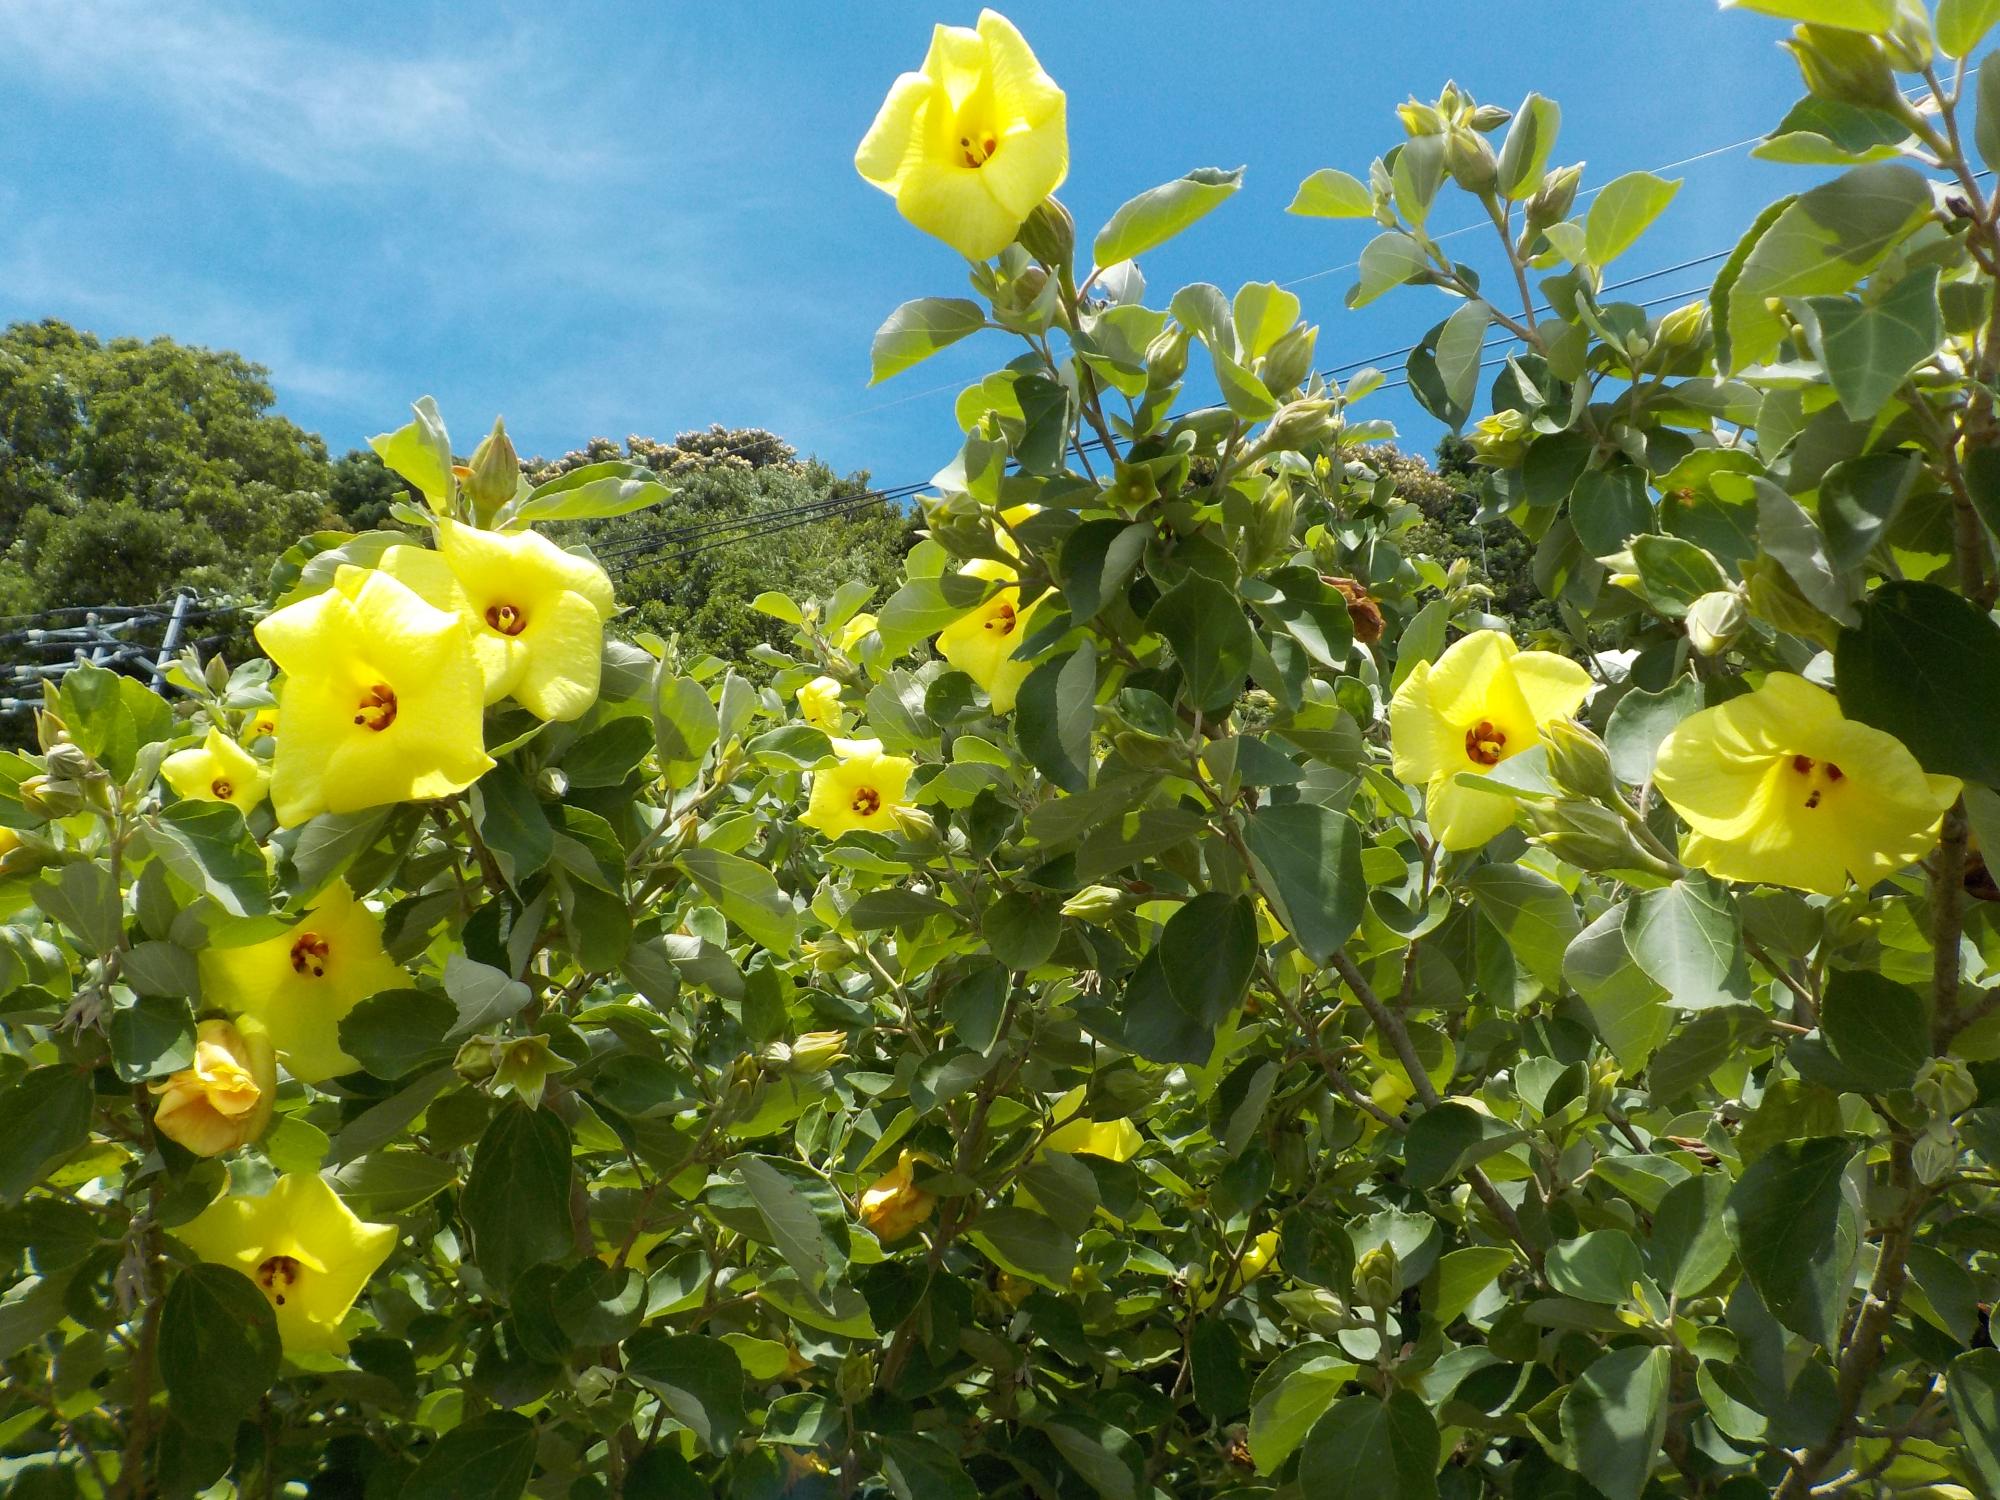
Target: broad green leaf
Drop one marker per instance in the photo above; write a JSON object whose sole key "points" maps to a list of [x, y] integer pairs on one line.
{"points": [[1986, 119], [685, 725], [482, 995], [1689, 1246], [1462, 1275], [150, 1037], [218, 1349], [1709, 1039], [207, 845], [1622, 212], [1160, 213], [1917, 646], [1444, 1141], [1825, 240], [1878, 1029], [747, 895], [1208, 950], [385, 1183], [516, 1199], [1366, 1448], [1204, 623], [1263, 313], [1870, 349], [921, 1468], [398, 1031], [1601, 1266], [44, 1115], [1388, 260], [1794, 1231], [1688, 938], [1641, 723], [1848, 15], [917, 330], [1026, 1243], [1308, 861], [1614, 1417], [1221, 1384], [1290, 1395], [1332, 194], [1859, 501], [1962, 23], [592, 492], [1973, 1388], [788, 1214], [491, 1457], [1675, 573], [1097, 558], [1054, 713], [1531, 135], [84, 897], [1534, 914], [420, 452], [1628, 1008]]}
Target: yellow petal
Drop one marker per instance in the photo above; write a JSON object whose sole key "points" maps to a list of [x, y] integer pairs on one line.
{"points": [[565, 642], [1464, 817], [957, 206], [1554, 686], [895, 142], [426, 573], [862, 792], [819, 703]]}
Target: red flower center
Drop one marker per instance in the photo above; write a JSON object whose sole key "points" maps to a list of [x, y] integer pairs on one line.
{"points": [[506, 619], [378, 707], [309, 955], [979, 150], [222, 788], [1485, 745], [1001, 621], [867, 801], [277, 1275], [1805, 765]]}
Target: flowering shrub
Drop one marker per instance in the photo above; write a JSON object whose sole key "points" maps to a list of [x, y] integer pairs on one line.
{"points": [[1178, 1000]]}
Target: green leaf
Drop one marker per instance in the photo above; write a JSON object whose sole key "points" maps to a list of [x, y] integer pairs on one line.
{"points": [[482, 995], [1444, 1141], [1524, 155], [152, 1036], [1054, 713], [1208, 950], [1641, 723], [1205, 624], [1097, 558], [491, 1457], [747, 895], [805, 1242], [917, 330], [1025, 1243], [1332, 194], [1369, 1449], [1534, 914], [1221, 1384], [1675, 572], [219, 1349], [1263, 313], [1962, 23], [1972, 1385], [44, 1115], [420, 452], [1794, 1230], [394, 1033], [1387, 261], [608, 754], [592, 492], [1917, 646], [85, 898], [1689, 1246], [1859, 500], [385, 1183], [1291, 1394], [1826, 240], [1986, 118], [329, 843], [1628, 1008], [1870, 349], [1308, 860], [1022, 929], [1600, 1266], [1462, 1275], [208, 845], [1160, 213], [1688, 938], [516, 1198], [1879, 1030], [1848, 15], [685, 725], [1615, 1416], [921, 1468], [1704, 1044], [1621, 213]]}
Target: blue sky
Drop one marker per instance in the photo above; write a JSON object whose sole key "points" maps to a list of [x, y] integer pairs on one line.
{"points": [[628, 217]]}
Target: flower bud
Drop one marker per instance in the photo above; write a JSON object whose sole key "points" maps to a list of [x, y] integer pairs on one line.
{"points": [[1049, 234], [46, 797], [1501, 439], [1684, 327], [494, 474], [914, 824], [552, 782], [224, 1099], [1945, 1088], [476, 1059], [1319, 1310], [1715, 620], [815, 1051], [1420, 119], [522, 1067], [1489, 117], [1375, 1277], [1846, 67], [1167, 357], [1587, 835], [1094, 903], [1909, 44], [1470, 160], [1290, 360], [893, 1205], [1553, 200], [1299, 425], [70, 762], [1579, 763], [1604, 1076], [1364, 615]]}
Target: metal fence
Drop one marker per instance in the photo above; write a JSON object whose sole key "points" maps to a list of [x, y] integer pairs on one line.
{"points": [[139, 640]]}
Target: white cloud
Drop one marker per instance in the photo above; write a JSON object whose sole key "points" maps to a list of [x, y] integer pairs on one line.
{"points": [[307, 108]]}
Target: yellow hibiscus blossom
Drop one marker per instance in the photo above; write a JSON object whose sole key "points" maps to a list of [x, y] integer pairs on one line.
{"points": [[819, 703], [853, 632], [971, 143], [383, 699], [981, 642], [893, 1205], [1115, 1140], [1778, 786], [300, 983], [1482, 702], [303, 1247], [263, 724], [224, 1099], [218, 770], [864, 790]]}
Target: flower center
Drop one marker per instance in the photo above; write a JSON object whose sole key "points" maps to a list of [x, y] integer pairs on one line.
{"points": [[506, 619], [277, 1275], [867, 801], [1485, 745], [377, 707], [1819, 777], [309, 955], [222, 788], [1002, 620], [976, 147]]}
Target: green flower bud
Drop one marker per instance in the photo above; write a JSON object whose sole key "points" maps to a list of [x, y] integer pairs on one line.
{"points": [[476, 1059], [1167, 357], [1553, 200], [1715, 620], [494, 474], [1501, 440], [1094, 903], [1847, 67], [1684, 327], [1298, 426], [1488, 117], [1579, 763], [1453, 102], [856, 1381], [1470, 160], [1420, 119], [1290, 359], [1945, 1088], [47, 797], [1910, 44], [1375, 1277], [815, 1051], [916, 825], [1321, 1311], [1050, 234], [70, 762], [1587, 835]]}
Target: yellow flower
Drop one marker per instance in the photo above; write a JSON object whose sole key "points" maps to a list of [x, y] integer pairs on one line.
{"points": [[893, 1205], [1256, 1258], [864, 790], [224, 1100], [300, 983], [981, 642], [1481, 702], [819, 703], [220, 770], [972, 143], [383, 699], [263, 724], [303, 1247], [1116, 1140], [1777, 786], [854, 630]]}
